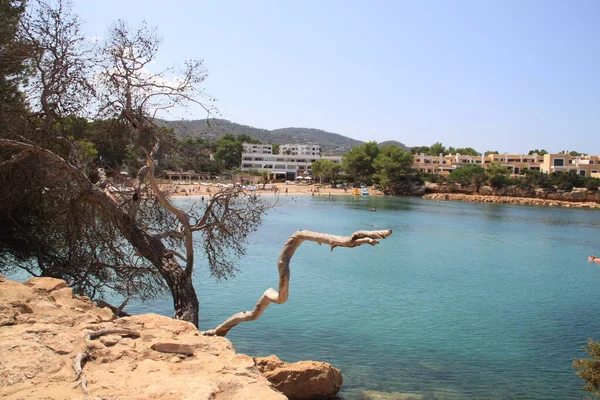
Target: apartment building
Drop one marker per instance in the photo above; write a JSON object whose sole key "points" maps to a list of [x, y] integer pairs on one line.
{"points": [[258, 148], [588, 166], [284, 166], [300, 149], [515, 163]]}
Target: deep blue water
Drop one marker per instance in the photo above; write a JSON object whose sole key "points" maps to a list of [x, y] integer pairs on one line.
{"points": [[463, 301]]}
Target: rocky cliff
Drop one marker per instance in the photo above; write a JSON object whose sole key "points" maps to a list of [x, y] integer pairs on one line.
{"points": [[54, 345]]}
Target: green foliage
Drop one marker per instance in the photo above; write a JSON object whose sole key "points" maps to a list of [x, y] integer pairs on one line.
{"points": [[419, 150], [468, 175], [228, 150], [433, 178], [437, 148], [498, 175], [392, 165], [589, 369], [326, 169], [536, 151], [358, 162], [592, 183], [533, 178], [567, 180], [487, 153], [467, 151]]}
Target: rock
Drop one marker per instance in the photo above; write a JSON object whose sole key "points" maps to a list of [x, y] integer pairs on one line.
{"points": [[301, 380], [375, 395], [47, 329], [110, 340], [173, 348], [46, 284]]}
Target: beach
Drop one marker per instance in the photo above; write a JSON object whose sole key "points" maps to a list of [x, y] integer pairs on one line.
{"points": [[282, 189]]}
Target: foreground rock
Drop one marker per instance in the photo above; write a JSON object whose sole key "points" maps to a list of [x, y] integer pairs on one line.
{"points": [[303, 379], [44, 329]]}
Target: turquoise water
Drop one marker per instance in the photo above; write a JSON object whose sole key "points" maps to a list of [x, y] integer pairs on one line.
{"points": [[463, 301]]}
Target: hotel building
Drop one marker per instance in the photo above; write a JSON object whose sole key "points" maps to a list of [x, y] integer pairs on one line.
{"points": [[296, 161]]}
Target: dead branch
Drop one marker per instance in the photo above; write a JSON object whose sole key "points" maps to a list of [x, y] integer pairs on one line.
{"points": [[116, 310], [271, 295], [77, 364], [122, 332]]}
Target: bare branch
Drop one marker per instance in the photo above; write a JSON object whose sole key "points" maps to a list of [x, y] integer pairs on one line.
{"points": [[271, 295]]}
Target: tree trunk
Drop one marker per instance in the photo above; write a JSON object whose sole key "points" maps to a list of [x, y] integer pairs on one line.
{"points": [[185, 300]]}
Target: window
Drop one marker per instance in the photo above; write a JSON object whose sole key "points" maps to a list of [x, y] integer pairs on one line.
{"points": [[516, 171], [582, 172], [559, 162]]}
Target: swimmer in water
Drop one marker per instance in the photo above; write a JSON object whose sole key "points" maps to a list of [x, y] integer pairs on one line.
{"points": [[594, 259]]}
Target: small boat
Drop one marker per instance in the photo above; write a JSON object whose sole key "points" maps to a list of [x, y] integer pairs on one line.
{"points": [[365, 192], [356, 192]]}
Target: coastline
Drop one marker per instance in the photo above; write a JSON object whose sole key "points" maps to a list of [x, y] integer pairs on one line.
{"points": [[279, 189], [475, 198]]}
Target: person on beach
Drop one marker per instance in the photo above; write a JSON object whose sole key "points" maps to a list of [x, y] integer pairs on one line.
{"points": [[594, 259]]}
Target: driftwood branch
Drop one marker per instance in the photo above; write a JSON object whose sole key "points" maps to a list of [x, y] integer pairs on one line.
{"points": [[78, 367], [271, 295], [118, 311]]}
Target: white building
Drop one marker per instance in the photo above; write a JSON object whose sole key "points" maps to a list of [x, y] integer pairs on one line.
{"points": [[258, 148], [300, 149], [282, 166]]}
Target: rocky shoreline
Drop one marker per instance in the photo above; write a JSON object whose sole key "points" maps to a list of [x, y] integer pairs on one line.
{"points": [[55, 345], [475, 198]]}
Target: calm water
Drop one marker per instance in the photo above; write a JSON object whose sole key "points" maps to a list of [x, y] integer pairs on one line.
{"points": [[463, 301]]}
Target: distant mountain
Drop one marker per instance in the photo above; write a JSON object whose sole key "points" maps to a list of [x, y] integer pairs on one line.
{"points": [[214, 128], [395, 143]]}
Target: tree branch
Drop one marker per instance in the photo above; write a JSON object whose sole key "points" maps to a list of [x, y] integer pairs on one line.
{"points": [[283, 265]]}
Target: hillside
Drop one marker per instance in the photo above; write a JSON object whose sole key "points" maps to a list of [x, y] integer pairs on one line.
{"points": [[395, 143], [215, 128]]}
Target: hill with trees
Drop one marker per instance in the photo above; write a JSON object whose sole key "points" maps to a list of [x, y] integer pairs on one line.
{"points": [[213, 129]]}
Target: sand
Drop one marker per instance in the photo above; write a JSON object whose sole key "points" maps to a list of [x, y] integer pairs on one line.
{"points": [[283, 189]]}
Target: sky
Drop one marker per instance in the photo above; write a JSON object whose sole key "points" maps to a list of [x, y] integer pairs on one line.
{"points": [[503, 75]]}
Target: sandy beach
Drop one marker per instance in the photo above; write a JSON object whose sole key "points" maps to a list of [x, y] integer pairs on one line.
{"points": [[282, 189]]}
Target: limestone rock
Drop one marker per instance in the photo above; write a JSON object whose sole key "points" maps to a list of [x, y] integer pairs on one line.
{"points": [[375, 395], [47, 328], [303, 379], [46, 284]]}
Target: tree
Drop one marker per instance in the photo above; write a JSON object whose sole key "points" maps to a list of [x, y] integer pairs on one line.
{"points": [[589, 369], [358, 162], [437, 148], [538, 152], [392, 164], [487, 153], [498, 175], [228, 151], [420, 149], [150, 233], [469, 175], [326, 169], [14, 54], [467, 151]]}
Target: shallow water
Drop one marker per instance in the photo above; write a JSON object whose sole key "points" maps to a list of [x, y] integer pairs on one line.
{"points": [[463, 301]]}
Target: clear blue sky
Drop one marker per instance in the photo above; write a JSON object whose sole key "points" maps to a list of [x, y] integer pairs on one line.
{"points": [[497, 75]]}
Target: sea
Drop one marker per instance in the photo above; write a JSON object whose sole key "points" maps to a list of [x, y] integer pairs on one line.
{"points": [[462, 301]]}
